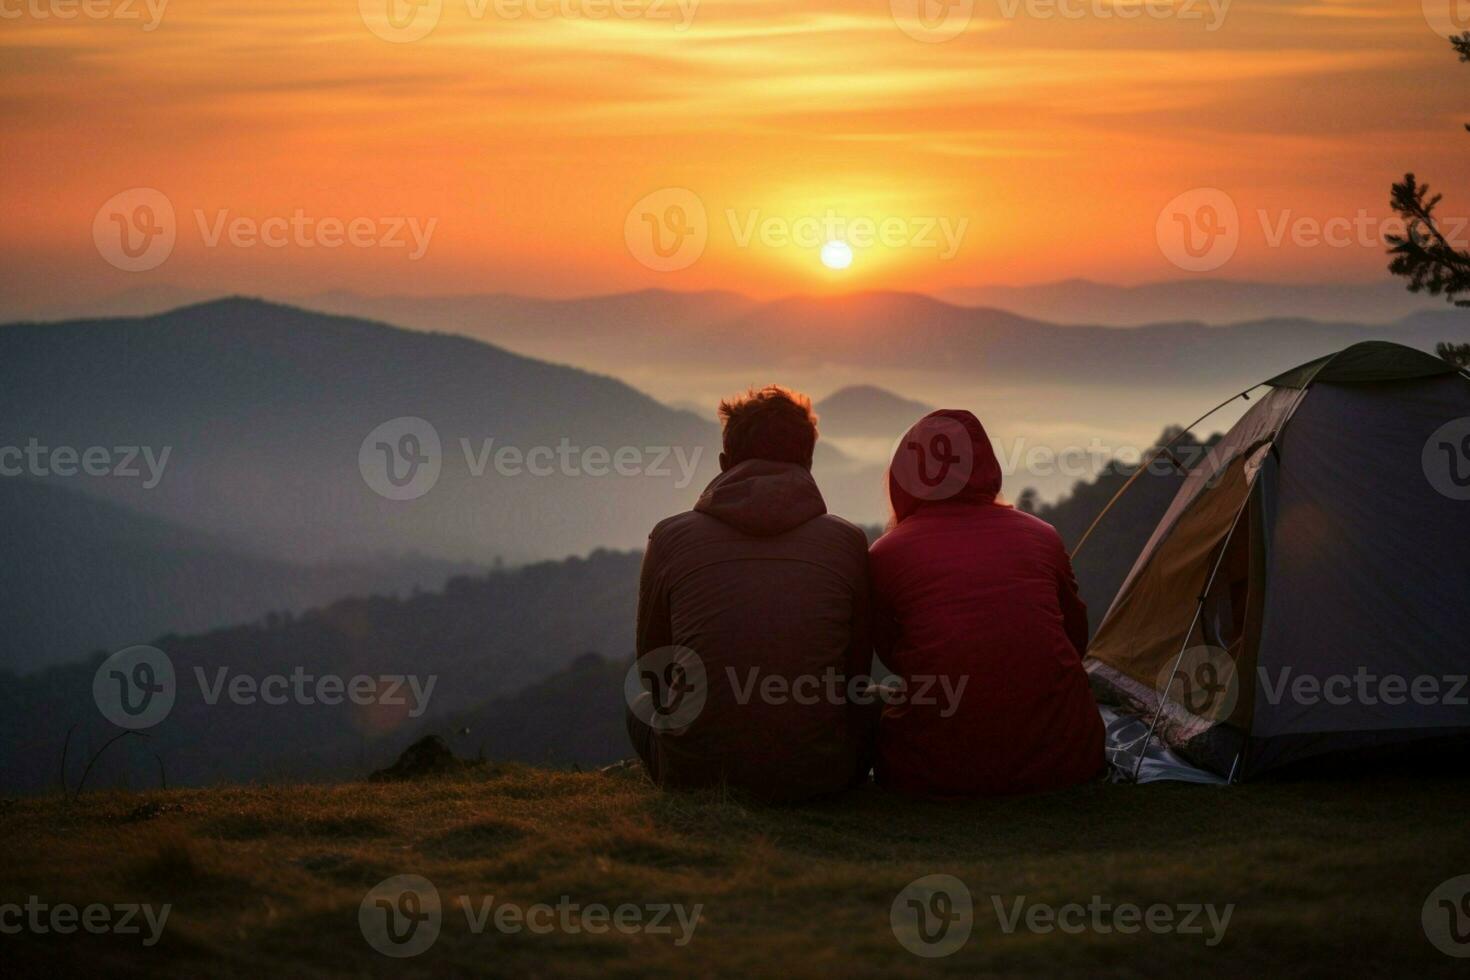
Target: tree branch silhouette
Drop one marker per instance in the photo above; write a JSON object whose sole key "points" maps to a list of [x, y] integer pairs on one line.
{"points": [[1423, 255]]}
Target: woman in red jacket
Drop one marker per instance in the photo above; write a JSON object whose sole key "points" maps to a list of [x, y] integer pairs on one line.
{"points": [[976, 609]]}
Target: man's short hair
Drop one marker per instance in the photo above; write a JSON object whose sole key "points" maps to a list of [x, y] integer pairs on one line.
{"points": [[772, 423]]}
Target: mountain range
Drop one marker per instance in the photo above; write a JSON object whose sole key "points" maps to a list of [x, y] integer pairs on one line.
{"points": [[476, 641], [265, 414], [1206, 300], [254, 433], [81, 574]]}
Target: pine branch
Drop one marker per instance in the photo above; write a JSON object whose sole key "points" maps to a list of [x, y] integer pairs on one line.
{"points": [[1423, 255]]}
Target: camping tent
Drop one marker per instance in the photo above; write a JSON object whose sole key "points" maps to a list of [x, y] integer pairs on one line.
{"points": [[1307, 593]]}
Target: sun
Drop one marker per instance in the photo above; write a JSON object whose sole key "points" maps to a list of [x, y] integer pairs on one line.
{"points": [[837, 254]]}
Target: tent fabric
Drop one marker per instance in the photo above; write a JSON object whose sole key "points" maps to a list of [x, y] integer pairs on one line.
{"points": [[1372, 360], [1369, 572], [1147, 627], [1345, 561], [1255, 427]]}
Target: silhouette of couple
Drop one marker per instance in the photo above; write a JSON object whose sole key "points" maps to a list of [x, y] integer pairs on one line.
{"points": [[759, 615]]}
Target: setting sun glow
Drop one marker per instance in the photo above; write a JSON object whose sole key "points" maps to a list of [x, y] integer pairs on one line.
{"points": [[837, 255], [519, 145]]}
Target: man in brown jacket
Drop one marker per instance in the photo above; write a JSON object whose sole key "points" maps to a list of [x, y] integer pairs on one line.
{"points": [[753, 645]]}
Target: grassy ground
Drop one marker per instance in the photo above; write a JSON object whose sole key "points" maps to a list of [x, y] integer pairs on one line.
{"points": [[1326, 878]]}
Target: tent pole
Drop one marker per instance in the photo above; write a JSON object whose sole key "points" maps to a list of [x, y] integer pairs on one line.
{"points": [[1143, 467], [1199, 609]]}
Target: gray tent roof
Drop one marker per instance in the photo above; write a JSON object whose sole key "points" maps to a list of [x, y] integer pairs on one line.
{"points": [[1371, 360]]}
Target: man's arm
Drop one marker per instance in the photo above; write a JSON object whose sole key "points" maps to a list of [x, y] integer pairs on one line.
{"points": [[654, 630], [863, 715]]}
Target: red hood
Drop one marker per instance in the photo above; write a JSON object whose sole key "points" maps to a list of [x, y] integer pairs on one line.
{"points": [[945, 456]]}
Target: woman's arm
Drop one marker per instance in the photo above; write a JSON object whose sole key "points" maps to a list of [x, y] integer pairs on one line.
{"points": [[1074, 610]]}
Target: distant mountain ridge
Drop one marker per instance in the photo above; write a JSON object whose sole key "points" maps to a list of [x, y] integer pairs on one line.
{"points": [[637, 334], [866, 411], [269, 405], [258, 421], [80, 574], [1208, 300], [478, 639], [265, 409]]}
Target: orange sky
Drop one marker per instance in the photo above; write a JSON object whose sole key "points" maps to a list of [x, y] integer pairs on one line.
{"points": [[1029, 146]]}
